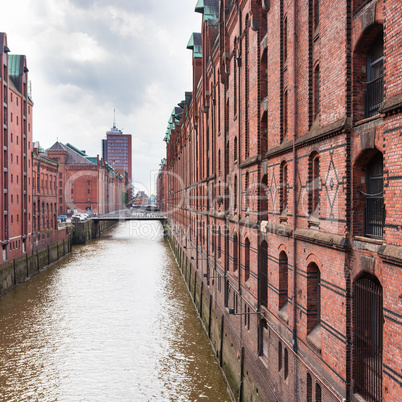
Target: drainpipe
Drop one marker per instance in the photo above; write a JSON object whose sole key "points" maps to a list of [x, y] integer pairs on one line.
{"points": [[239, 143], [294, 175]]}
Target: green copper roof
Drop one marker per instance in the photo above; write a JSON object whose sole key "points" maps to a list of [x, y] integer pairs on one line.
{"points": [[195, 44], [15, 69], [209, 8]]}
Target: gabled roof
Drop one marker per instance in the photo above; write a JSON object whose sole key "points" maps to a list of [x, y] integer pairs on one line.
{"points": [[73, 157]]}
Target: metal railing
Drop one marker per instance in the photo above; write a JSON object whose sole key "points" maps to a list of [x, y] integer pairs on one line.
{"points": [[374, 96]]}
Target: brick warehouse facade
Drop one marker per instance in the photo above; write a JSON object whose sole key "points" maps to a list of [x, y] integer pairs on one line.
{"points": [[283, 178], [16, 155]]}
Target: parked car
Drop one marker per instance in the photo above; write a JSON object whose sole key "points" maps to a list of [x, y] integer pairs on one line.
{"points": [[62, 218]]}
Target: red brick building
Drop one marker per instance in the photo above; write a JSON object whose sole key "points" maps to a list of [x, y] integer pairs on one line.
{"points": [[85, 184], [284, 181], [44, 193], [15, 158]]}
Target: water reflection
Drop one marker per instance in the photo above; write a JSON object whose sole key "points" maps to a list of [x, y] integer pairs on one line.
{"points": [[111, 322]]}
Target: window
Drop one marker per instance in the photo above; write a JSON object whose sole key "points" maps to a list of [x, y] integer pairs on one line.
{"points": [[316, 12], [235, 252], [375, 73], [309, 388], [279, 356], [60, 192], [263, 273], [285, 40], [60, 175], [246, 260], [316, 92], [313, 297], [286, 364], [235, 194], [247, 190], [317, 392], [285, 115], [284, 188], [374, 208], [368, 337], [235, 149], [283, 280], [219, 243], [314, 194]]}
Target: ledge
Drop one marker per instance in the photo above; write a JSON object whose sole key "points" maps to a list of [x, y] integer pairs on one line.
{"points": [[250, 223], [276, 228], [316, 134], [314, 337], [234, 218], [250, 161], [391, 254], [284, 147], [323, 239], [391, 104]]}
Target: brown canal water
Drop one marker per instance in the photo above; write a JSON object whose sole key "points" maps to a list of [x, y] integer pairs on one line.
{"points": [[111, 322]]}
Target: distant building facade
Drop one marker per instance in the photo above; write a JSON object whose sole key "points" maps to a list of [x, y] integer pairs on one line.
{"points": [[117, 151], [85, 184], [44, 195]]}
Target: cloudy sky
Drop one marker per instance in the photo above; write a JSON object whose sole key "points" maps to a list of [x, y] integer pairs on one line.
{"points": [[89, 57]]}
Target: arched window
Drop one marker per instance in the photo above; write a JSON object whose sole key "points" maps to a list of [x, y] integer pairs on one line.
{"points": [[368, 337], [264, 198], [219, 163], [375, 73], [285, 40], [283, 280], [235, 252], [374, 208], [279, 356], [313, 297], [284, 188], [263, 274], [285, 114], [316, 91], [246, 259], [309, 390], [219, 243], [247, 189], [317, 392], [235, 194], [286, 364], [314, 193]]}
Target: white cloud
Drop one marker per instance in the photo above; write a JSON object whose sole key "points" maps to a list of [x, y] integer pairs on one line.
{"points": [[88, 57]]}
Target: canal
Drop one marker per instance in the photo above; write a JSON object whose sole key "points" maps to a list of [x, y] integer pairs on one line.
{"points": [[111, 322]]}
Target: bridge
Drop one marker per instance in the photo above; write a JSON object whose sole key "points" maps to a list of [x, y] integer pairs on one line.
{"points": [[131, 216]]}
